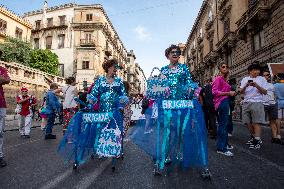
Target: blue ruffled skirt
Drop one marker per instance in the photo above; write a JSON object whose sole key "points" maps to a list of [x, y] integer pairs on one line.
{"points": [[179, 135]]}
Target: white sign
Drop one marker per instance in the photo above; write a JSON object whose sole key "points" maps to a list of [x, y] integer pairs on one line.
{"points": [[96, 117], [177, 104]]}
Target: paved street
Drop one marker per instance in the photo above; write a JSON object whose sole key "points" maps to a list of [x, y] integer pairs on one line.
{"points": [[34, 163]]}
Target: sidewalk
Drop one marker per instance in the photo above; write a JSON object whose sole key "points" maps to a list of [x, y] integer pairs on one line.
{"points": [[11, 123]]}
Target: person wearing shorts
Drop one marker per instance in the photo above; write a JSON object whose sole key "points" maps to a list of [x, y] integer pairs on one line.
{"points": [[279, 93], [271, 108], [253, 87]]}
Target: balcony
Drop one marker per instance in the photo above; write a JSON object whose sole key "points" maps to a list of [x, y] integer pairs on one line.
{"points": [[256, 16], [199, 39], [52, 25], [227, 42], [208, 25], [210, 33], [222, 4], [108, 52], [211, 58], [87, 43]]}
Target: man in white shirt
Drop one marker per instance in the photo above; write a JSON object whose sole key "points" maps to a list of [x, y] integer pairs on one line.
{"points": [[271, 109], [253, 87]]}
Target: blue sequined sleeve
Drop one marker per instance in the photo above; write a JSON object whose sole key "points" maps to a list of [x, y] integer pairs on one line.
{"points": [[188, 80], [95, 91]]}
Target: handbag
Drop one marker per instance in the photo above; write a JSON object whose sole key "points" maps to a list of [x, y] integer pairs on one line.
{"points": [[109, 143], [157, 86]]}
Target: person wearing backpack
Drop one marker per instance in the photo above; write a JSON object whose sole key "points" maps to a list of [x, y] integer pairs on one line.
{"points": [[70, 106], [53, 107], [25, 102], [208, 108]]}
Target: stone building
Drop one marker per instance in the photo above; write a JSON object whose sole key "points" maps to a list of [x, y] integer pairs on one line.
{"points": [[82, 36], [237, 33], [36, 81], [135, 75], [13, 26], [96, 40]]}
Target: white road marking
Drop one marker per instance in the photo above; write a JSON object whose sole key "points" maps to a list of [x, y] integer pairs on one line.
{"points": [[53, 183], [87, 181]]}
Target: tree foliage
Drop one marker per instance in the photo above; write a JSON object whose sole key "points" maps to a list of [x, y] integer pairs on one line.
{"points": [[15, 50], [44, 60]]}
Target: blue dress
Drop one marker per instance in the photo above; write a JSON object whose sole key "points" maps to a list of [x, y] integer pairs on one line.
{"points": [[180, 134], [90, 136]]}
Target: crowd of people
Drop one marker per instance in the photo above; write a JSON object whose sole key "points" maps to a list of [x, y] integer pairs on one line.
{"points": [[96, 119], [261, 100]]}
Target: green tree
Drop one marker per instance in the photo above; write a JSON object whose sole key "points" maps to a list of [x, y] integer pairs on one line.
{"points": [[15, 50], [44, 60]]}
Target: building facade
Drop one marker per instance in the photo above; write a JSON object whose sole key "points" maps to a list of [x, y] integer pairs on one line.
{"points": [[96, 40], [14, 26], [82, 36], [135, 75], [51, 29], [237, 33]]}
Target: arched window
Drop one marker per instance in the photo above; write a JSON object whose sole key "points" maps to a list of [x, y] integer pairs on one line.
{"points": [[210, 16]]}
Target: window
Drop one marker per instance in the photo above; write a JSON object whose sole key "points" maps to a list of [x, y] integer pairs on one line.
{"points": [[49, 22], [61, 70], [62, 20], [210, 16], [229, 60], [258, 40], [211, 45], [36, 43], [226, 26], [85, 65], [37, 24], [3, 25], [48, 42], [88, 37], [18, 33], [200, 33], [89, 17], [61, 39]]}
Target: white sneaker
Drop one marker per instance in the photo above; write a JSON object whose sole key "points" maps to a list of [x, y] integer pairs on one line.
{"points": [[230, 147], [230, 134], [226, 153]]}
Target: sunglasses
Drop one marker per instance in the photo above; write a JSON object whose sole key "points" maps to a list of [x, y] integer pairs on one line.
{"points": [[225, 67], [175, 53], [266, 75], [118, 67]]}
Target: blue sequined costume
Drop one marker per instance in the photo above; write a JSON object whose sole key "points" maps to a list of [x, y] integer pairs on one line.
{"points": [[180, 134], [87, 136]]}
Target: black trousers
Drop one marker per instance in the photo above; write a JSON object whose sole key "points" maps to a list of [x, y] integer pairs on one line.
{"points": [[210, 119]]}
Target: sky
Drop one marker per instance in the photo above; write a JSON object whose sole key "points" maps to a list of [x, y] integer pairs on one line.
{"points": [[146, 26]]}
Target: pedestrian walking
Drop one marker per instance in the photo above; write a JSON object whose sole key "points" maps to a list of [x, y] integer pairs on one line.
{"points": [[208, 109], [253, 87], [4, 80], [70, 106], [53, 107], [25, 102], [279, 93], [221, 91], [271, 108]]}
